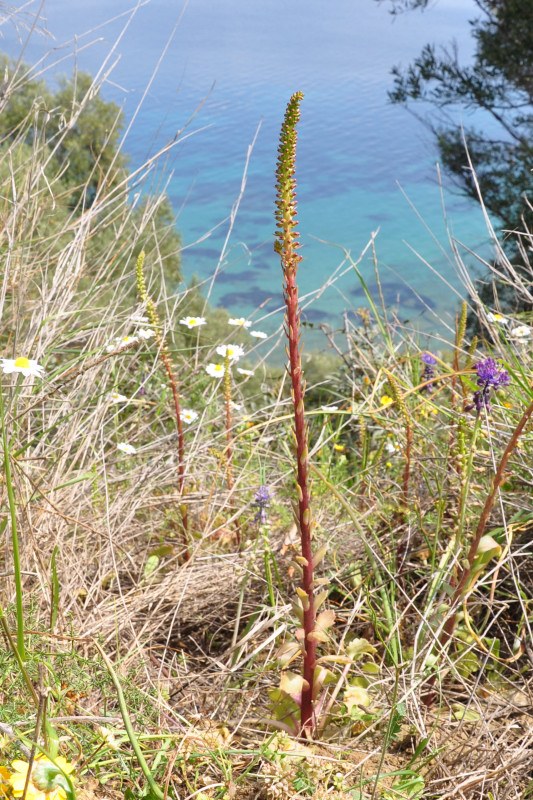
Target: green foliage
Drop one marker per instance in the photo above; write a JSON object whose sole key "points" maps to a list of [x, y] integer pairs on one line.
{"points": [[399, 6], [80, 129], [498, 87], [497, 82], [60, 156]]}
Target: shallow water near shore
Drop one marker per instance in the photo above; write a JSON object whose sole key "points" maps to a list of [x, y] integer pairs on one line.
{"points": [[240, 62]]}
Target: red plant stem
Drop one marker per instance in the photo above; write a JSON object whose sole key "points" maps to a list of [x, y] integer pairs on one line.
{"points": [[304, 512], [287, 246], [181, 452], [229, 445], [407, 467], [466, 573], [167, 362]]}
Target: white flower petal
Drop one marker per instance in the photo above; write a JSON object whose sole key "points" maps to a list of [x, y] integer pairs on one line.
{"points": [[188, 415], [126, 448], [121, 341], [259, 334], [521, 332], [145, 333], [115, 397], [240, 322], [215, 370], [233, 351], [27, 366], [192, 322], [497, 318]]}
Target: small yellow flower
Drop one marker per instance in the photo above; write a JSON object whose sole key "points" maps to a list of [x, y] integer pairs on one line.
{"points": [[386, 400], [425, 410], [339, 447], [5, 786], [46, 781], [388, 464]]}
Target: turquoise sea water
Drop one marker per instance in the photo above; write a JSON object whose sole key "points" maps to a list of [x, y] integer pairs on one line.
{"points": [[226, 76]]}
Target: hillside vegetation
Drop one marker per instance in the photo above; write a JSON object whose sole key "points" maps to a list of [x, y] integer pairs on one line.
{"points": [[182, 616]]}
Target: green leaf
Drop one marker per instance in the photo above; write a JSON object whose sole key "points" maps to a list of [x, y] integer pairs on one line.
{"points": [[152, 562], [55, 589], [356, 696], [461, 713], [360, 647]]}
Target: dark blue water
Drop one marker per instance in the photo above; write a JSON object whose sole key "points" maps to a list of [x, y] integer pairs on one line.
{"points": [[236, 63]]}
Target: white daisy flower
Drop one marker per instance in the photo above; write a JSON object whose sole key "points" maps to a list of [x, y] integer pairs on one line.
{"points": [[247, 372], [140, 320], [232, 351], [145, 333], [497, 318], [521, 332], [392, 447], [115, 397], [25, 365], [192, 322], [188, 415], [121, 341], [240, 322], [259, 334], [215, 370], [329, 408], [126, 448], [236, 406]]}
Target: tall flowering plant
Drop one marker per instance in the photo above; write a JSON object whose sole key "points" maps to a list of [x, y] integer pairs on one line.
{"points": [[304, 689], [166, 358]]}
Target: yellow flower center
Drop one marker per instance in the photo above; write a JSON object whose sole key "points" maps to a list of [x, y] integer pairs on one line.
{"points": [[22, 362], [192, 321]]}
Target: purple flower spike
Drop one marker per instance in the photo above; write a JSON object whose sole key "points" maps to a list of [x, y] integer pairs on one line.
{"points": [[489, 376], [262, 499], [428, 373]]}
